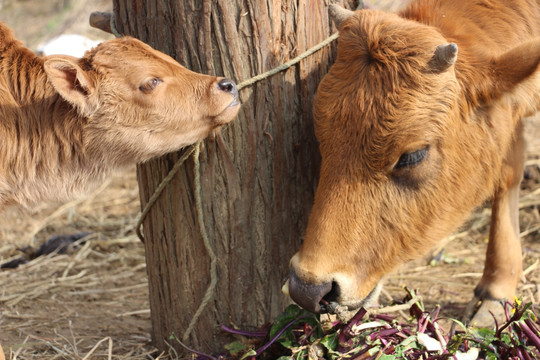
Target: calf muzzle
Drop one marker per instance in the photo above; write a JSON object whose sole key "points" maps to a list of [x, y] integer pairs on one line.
{"points": [[309, 296]]}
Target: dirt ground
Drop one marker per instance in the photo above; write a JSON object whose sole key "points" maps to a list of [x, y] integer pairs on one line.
{"points": [[92, 303]]}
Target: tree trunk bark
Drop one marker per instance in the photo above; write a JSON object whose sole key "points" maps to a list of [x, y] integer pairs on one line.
{"points": [[257, 176]]}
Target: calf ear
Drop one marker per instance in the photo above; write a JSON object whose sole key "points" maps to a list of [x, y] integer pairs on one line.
{"points": [[70, 81], [517, 72]]}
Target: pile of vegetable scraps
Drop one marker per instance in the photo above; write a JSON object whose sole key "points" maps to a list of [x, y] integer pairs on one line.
{"points": [[298, 334]]}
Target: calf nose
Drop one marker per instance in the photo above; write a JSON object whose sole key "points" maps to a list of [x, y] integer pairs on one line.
{"points": [[228, 86], [308, 296]]}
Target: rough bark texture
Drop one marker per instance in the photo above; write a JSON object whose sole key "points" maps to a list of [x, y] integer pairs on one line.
{"points": [[257, 177]]}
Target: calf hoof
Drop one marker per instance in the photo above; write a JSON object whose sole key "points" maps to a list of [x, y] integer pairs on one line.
{"points": [[484, 313]]}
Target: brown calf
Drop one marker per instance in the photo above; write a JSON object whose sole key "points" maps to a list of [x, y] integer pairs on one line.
{"points": [[419, 122], [65, 122]]}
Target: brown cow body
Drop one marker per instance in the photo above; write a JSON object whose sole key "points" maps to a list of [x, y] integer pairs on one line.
{"points": [[411, 144], [65, 123]]}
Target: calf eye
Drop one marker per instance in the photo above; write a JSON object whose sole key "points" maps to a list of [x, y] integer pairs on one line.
{"points": [[150, 85], [411, 159]]}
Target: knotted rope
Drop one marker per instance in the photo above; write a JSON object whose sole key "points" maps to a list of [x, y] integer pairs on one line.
{"points": [[195, 150]]}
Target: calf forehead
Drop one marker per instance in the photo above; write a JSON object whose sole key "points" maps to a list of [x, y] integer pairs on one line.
{"points": [[127, 53], [386, 43], [379, 95]]}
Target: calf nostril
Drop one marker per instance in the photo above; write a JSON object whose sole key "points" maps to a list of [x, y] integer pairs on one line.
{"points": [[333, 294], [228, 86], [309, 296]]}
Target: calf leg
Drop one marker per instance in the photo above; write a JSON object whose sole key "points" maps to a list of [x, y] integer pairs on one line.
{"points": [[503, 265]]}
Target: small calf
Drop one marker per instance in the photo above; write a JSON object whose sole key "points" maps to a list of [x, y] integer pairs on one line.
{"points": [[67, 122]]}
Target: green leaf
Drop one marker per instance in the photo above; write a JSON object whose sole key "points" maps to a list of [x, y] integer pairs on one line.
{"points": [[330, 341], [374, 350], [388, 357], [301, 355], [455, 342], [287, 340], [408, 341], [237, 347], [482, 333], [292, 312], [248, 354]]}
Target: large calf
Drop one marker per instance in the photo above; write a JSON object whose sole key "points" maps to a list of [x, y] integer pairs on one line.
{"points": [[419, 122], [66, 122]]}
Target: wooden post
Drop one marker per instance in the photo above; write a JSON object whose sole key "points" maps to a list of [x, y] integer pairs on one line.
{"points": [[257, 177]]}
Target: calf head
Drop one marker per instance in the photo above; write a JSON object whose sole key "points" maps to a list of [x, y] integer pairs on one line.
{"points": [[139, 101], [406, 154]]}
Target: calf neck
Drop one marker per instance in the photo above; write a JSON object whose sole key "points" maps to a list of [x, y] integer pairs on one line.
{"points": [[66, 122], [419, 122]]}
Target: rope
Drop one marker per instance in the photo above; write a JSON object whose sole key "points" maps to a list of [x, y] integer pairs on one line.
{"points": [[209, 294], [161, 187], [289, 63], [112, 24]]}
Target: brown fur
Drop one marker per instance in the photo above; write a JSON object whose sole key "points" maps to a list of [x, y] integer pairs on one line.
{"points": [[66, 122], [381, 99]]}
